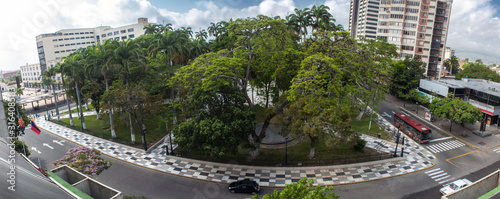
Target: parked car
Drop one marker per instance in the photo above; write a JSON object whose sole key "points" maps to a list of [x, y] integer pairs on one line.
{"points": [[482, 133], [244, 186], [454, 186]]}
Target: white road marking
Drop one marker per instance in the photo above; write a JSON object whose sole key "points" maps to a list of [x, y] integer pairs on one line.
{"points": [[439, 139], [34, 149], [47, 145], [58, 142]]}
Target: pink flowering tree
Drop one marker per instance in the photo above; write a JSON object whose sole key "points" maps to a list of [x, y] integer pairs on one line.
{"points": [[85, 160]]}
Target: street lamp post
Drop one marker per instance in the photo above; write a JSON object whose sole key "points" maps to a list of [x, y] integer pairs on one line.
{"points": [[286, 150], [47, 109], [417, 108], [397, 142]]}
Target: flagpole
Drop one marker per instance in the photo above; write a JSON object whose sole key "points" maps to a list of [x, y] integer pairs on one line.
{"points": [[38, 156]]}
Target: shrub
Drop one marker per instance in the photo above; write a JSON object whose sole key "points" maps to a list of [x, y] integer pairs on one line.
{"points": [[360, 145], [19, 148], [85, 160]]}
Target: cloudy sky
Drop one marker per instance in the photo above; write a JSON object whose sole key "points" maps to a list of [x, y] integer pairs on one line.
{"points": [[474, 30]]}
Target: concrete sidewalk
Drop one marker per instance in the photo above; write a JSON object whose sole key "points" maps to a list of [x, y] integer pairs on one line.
{"points": [[416, 158]]}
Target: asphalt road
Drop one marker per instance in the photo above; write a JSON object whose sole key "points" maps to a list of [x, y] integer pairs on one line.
{"points": [[29, 183], [131, 179]]}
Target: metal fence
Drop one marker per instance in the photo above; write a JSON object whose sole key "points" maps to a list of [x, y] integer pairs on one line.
{"points": [[334, 160]]}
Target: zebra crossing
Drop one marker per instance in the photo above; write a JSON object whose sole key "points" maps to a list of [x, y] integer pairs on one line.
{"points": [[445, 146], [439, 176], [497, 150]]}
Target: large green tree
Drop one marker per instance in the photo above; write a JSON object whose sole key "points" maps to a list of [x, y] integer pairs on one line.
{"points": [[477, 70], [405, 76], [305, 189], [219, 122], [456, 110]]}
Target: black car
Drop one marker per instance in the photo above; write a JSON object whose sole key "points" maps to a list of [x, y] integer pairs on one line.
{"points": [[244, 186]]}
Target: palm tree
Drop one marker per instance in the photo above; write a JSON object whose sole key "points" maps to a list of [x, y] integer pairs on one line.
{"points": [[125, 54], [300, 20], [202, 34], [75, 63], [454, 64], [188, 31], [212, 29], [47, 80], [171, 44], [102, 54], [319, 15], [64, 69]]}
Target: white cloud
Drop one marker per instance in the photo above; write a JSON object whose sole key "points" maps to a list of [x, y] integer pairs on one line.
{"points": [[474, 30], [340, 11]]}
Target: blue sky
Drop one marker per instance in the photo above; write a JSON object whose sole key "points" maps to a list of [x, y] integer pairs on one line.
{"points": [[474, 30]]}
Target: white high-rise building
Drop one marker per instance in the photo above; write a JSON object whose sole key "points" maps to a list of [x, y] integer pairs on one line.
{"points": [[53, 47], [419, 28]]}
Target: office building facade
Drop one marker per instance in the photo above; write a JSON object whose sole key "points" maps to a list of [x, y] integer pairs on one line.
{"points": [[418, 28], [52, 47]]}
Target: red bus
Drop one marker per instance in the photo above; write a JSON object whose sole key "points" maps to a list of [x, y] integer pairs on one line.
{"points": [[412, 128]]}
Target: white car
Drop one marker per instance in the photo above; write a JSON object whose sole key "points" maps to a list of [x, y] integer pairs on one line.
{"points": [[454, 186]]}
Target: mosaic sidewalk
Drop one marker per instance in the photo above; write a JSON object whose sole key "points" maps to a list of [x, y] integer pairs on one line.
{"points": [[415, 158]]}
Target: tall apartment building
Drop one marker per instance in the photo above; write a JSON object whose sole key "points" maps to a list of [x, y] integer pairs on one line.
{"points": [[417, 27], [54, 46]]}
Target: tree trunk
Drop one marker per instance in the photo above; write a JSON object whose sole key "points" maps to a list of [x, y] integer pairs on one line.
{"points": [[111, 123], [55, 102], [463, 129], [313, 144], [80, 104], [269, 116], [132, 135]]}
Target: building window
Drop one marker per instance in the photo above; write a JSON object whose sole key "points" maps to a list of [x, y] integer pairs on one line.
{"points": [[116, 32], [103, 35], [71, 33], [72, 38], [66, 38], [124, 37], [131, 36], [60, 39], [56, 52], [123, 31], [117, 38], [54, 40], [72, 44], [77, 33], [86, 32], [110, 34], [130, 30]]}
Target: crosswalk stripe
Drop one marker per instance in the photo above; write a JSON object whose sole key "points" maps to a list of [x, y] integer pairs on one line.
{"points": [[434, 177], [433, 170], [497, 150], [439, 179], [437, 172], [445, 146]]}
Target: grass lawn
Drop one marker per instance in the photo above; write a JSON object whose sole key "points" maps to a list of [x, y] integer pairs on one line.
{"points": [[101, 128], [361, 126], [91, 108]]}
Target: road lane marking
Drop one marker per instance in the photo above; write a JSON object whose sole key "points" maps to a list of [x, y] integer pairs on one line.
{"points": [[439, 139], [47, 145], [34, 149]]}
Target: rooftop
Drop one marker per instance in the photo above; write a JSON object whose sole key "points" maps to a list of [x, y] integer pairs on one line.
{"points": [[485, 86]]}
